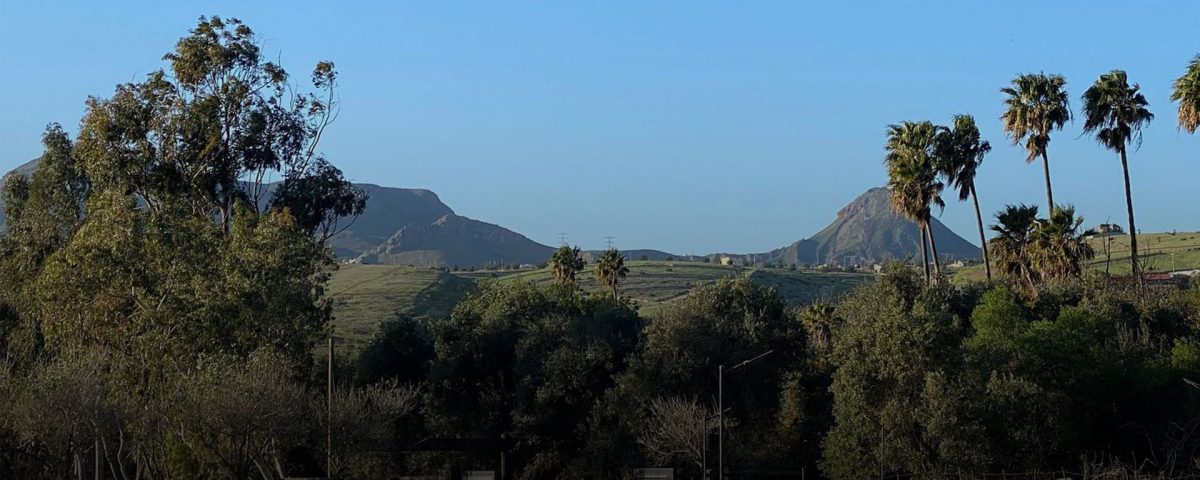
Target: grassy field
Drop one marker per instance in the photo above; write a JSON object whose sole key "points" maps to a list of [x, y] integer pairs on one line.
{"points": [[1160, 252], [655, 284], [366, 295]]}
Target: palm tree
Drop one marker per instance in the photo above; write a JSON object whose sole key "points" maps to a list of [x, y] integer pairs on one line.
{"points": [[1013, 243], [565, 263], [913, 179], [959, 154], [1186, 91], [1116, 112], [610, 269], [1037, 104], [1061, 249]]}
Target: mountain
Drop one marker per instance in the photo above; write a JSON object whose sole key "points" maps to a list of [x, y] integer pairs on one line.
{"points": [[409, 226], [868, 231]]}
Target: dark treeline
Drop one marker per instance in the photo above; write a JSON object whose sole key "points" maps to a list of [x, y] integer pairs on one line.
{"points": [[162, 310]]}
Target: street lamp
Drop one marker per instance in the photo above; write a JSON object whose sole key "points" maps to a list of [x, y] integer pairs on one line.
{"points": [[721, 409]]}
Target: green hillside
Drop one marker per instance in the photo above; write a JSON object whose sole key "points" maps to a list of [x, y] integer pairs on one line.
{"points": [[366, 295], [1160, 252], [655, 284]]}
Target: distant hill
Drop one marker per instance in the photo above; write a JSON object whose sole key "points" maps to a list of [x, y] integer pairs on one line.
{"points": [[868, 231], [453, 240]]}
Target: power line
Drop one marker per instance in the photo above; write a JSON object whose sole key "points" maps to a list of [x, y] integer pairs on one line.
{"points": [[562, 238], [608, 240]]}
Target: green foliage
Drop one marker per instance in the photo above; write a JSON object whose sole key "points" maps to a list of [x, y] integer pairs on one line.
{"points": [[528, 363], [565, 263], [1037, 104], [1186, 91], [611, 269]]}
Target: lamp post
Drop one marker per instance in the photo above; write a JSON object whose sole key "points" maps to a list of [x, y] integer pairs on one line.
{"points": [[721, 409]]}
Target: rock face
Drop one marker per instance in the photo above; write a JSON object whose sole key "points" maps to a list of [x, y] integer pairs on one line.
{"points": [[868, 231]]}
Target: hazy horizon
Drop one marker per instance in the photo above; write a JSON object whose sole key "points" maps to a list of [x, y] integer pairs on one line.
{"points": [[692, 128]]}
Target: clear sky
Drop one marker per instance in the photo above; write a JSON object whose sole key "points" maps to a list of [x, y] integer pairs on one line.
{"points": [[690, 127]]}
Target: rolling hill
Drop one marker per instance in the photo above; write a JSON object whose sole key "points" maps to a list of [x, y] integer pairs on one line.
{"points": [[366, 295]]}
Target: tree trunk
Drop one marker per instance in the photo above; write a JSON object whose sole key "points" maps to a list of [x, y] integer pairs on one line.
{"points": [[924, 256], [987, 262], [1049, 192], [937, 264], [1133, 252]]}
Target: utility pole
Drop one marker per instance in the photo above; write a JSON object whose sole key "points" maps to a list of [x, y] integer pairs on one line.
{"points": [[329, 416], [562, 238], [608, 241], [721, 409], [721, 422]]}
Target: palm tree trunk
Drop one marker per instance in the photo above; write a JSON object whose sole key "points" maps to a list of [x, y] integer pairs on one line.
{"points": [[937, 264], [924, 256], [1133, 252], [1049, 192], [987, 264]]}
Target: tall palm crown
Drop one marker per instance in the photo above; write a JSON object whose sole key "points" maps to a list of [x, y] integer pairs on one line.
{"points": [[959, 153], [1037, 104], [913, 175], [565, 263], [912, 170], [1115, 111], [1186, 91], [610, 269]]}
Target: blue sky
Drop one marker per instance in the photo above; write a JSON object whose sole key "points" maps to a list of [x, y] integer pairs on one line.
{"points": [[685, 126]]}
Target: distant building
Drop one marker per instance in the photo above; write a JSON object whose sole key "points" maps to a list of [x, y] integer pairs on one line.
{"points": [[725, 260], [1107, 229]]}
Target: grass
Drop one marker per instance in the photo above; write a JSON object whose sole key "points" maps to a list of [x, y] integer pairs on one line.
{"points": [[1160, 252], [656, 284], [364, 296]]}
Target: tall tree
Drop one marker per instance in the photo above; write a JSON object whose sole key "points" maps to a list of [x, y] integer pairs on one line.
{"points": [[1116, 112], [1186, 91], [960, 153], [611, 269], [1037, 104], [913, 178], [565, 263]]}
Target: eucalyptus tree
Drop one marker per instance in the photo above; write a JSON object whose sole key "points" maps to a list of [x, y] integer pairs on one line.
{"points": [[565, 263], [1186, 91], [959, 153], [1037, 104], [611, 269], [913, 179], [1116, 112]]}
